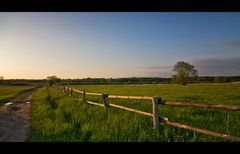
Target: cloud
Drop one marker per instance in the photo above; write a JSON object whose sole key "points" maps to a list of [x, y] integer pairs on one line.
{"points": [[215, 66], [235, 43], [232, 43]]}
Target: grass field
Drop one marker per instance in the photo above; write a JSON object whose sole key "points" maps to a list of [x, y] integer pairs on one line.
{"points": [[224, 93], [57, 117], [9, 92]]}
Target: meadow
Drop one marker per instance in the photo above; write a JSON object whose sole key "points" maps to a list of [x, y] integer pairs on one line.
{"points": [[9, 92], [58, 117]]}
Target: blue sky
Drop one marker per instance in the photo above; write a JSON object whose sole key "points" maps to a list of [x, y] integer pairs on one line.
{"points": [[79, 45]]}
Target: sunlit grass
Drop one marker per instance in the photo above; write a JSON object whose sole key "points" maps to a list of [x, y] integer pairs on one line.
{"points": [[57, 117]]}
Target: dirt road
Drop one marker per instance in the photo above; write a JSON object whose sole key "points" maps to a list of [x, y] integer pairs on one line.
{"points": [[14, 119]]}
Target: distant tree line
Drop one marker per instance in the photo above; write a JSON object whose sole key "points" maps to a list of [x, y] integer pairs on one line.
{"points": [[132, 80], [22, 82], [214, 79], [146, 80]]}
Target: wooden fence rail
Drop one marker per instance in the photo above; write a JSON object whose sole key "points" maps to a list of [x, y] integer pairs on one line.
{"points": [[203, 131], [198, 105], [155, 113], [132, 110]]}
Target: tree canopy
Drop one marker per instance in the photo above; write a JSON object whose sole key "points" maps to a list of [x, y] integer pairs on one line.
{"points": [[52, 80], [183, 70]]}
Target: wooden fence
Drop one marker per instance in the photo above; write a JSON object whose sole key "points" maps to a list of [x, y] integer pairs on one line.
{"points": [[154, 114]]}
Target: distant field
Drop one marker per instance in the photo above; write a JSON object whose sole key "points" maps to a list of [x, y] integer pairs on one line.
{"points": [[57, 117], [224, 93], [9, 92]]}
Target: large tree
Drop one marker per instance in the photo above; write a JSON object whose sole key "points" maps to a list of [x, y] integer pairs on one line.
{"points": [[183, 70], [52, 80]]}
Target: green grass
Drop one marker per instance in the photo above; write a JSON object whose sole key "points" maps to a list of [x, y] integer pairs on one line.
{"points": [[9, 92], [224, 93], [57, 117]]}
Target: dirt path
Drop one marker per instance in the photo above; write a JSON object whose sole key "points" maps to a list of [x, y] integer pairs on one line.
{"points": [[14, 119]]}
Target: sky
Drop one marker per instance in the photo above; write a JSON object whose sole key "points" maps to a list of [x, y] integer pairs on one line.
{"points": [[35, 45]]}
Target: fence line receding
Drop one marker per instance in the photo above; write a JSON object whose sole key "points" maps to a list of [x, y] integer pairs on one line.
{"points": [[155, 113]]}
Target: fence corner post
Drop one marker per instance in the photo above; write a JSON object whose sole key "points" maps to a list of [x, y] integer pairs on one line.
{"points": [[155, 101]]}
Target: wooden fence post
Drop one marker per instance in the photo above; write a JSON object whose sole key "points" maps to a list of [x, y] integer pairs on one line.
{"points": [[68, 91], [84, 95], [105, 102], [155, 113], [71, 92]]}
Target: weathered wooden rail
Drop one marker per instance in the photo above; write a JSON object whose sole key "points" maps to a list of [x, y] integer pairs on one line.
{"points": [[155, 114], [200, 105]]}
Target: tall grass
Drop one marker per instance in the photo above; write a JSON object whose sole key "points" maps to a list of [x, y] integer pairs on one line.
{"points": [[57, 117]]}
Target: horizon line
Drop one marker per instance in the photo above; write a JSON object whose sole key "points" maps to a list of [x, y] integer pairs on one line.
{"points": [[111, 77]]}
